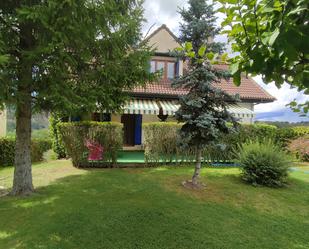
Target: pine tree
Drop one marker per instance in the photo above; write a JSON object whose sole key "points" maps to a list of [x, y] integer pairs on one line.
{"points": [[66, 56], [204, 110], [199, 27]]}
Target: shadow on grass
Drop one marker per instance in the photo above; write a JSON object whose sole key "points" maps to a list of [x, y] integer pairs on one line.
{"points": [[115, 209]]}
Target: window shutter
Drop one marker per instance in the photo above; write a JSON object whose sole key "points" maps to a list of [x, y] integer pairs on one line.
{"points": [[177, 68]]}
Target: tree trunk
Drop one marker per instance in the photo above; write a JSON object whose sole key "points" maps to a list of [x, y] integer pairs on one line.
{"points": [[197, 170], [22, 184]]}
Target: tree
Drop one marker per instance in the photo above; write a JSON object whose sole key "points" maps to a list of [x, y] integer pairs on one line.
{"points": [[199, 27], [204, 109], [270, 38], [66, 56]]}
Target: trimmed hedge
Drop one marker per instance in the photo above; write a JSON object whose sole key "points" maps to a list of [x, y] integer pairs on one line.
{"points": [[57, 143], [160, 140], [75, 134], [7, 150]]}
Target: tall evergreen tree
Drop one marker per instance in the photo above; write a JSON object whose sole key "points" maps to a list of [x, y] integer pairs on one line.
{"points": [[204, 110], [66, 56], [199, 26]]}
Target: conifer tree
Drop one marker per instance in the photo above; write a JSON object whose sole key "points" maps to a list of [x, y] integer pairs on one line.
{"points": [[198, 26], [66, 56], [204, 110]]}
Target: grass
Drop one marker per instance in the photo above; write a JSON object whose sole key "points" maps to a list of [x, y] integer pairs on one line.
{"points": [[148, 208]]}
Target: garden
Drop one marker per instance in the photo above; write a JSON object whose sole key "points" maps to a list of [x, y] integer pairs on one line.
{"points": [[149, 208]]}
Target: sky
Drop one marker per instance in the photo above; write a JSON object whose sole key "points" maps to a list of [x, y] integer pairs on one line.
{"points": [[158, 12]]}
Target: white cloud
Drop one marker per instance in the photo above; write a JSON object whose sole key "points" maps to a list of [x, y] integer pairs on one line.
{"points": [[284, 95], [277, 110], [162, 12]]}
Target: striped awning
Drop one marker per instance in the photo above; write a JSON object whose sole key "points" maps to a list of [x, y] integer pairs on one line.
{"points": [[141, 106], [240, 111], [169, 107]]}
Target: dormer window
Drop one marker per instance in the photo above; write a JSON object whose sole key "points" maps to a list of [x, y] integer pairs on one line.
{"points": [[171, 66], [168, 68]]}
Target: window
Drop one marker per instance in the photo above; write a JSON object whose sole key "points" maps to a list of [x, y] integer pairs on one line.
{"points": [[152, 66], [170, 70]]}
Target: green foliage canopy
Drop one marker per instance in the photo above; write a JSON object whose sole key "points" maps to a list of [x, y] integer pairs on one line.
{"points": [[78, 54], [270, 38]]}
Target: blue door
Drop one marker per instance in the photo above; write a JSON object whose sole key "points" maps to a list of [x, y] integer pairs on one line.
{"points": [[138, 129]]}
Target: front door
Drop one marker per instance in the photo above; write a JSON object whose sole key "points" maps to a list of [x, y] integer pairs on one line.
{"points": [[128, 121], [132, 127]]}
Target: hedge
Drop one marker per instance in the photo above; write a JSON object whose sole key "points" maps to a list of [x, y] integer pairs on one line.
{"points": [[57, 144], [76, 134], [160, 141], [7, 150]]}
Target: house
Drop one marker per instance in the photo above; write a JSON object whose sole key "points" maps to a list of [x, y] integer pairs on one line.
{"points": [[3, 123], [158, 101]]}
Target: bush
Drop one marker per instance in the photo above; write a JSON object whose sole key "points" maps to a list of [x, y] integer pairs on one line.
{"points": [[301, 130], [263, 163], [74, 136], [160, 141], [300, 148], [161, 145], [7, 150], [57, 143], [38, 147]]}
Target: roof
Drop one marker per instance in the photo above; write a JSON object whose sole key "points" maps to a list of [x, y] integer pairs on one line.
{"points": [[163, 26], [248, 90]]}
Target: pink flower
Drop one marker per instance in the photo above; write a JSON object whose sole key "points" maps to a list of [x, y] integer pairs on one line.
{"points": [[95, 150]]}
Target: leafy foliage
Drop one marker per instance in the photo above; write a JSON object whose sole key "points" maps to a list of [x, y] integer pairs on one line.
{"points": [[80, 52], [271, 39], [263, 163], [67, 56], [75, 135], [57, 143], [160, 141], [7, 150], [300, 148]]}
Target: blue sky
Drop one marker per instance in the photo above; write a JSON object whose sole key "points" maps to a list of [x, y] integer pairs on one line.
{"points": [[165, 12]]}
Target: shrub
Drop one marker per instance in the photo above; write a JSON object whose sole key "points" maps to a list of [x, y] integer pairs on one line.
{"points": [[263, 163], [160, 141], [7, 150], [161, 145], [38, 147], [75, 135], [300, 148], [57, 143], [283, 136], [301, 130]]}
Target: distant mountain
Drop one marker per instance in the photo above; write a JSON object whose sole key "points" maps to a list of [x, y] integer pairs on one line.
{"points": [[281, 115]]}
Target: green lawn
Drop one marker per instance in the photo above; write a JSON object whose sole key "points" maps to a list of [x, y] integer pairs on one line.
{"points": [[148, 208]]}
